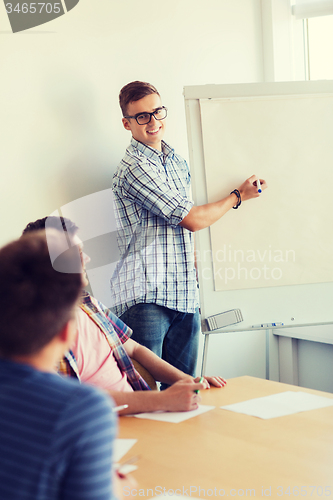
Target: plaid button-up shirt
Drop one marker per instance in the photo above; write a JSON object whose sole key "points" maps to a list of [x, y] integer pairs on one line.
{"points": [[151, 192], [116, 333]]}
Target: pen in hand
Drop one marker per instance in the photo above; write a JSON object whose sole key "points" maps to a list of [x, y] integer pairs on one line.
{"points": [[115, 409], [259, 186], [200, 382], [120, 468]]}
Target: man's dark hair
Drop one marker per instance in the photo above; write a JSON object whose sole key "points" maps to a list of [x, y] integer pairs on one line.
{"points": [[36, 301], [60, 223], [134, 91]]}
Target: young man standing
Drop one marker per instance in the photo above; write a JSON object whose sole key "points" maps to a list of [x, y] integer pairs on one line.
{"points": [[56, 436], [154, 286]]}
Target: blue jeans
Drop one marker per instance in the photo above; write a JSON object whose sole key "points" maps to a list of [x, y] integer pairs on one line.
{"points": [[172, 335]]}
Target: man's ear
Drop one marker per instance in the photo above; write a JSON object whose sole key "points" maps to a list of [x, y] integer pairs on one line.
{"points": [[126, 124], [68, 333]]}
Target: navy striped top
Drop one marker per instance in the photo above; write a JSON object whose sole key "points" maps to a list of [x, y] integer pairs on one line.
{"points": [[56, 437]]}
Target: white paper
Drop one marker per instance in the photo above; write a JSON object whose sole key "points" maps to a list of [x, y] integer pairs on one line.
{"points": [[121, 447], [174, 416], [278, 405]]}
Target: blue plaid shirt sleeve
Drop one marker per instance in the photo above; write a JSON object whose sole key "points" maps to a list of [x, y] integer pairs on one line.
{"points": [[143, 184]]}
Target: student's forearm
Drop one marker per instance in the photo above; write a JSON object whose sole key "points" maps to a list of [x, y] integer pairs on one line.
{"points": [[157, 367], [181, 396], [205, 215], [138, 401]]}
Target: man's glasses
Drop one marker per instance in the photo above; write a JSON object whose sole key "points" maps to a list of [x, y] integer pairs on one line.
{"points": [[144, 118]]}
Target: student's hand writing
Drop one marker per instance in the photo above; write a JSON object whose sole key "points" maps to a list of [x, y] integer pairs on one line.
{"points": [[249, 188], [188, 378], [181, 396], [215, 381]]}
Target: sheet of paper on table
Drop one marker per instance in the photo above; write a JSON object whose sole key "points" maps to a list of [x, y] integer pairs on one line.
{"points": [[279, 405], [174, 417], [121, 447]]}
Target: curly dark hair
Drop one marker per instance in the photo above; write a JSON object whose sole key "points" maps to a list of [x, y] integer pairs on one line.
{"points": [[36, 301], [60, 223]]}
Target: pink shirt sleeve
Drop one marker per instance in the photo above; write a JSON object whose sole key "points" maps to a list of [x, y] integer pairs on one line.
{"points": [[96, 363]]}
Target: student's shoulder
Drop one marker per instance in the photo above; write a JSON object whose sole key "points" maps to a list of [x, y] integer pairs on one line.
{"points": [[132, 159], [80, 410], [135, 152], [72, 396], [69, 389], [121, 329], [127, 168]]}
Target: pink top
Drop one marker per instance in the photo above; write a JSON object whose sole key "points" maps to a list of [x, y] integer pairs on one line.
{"points": [[96, 363]]}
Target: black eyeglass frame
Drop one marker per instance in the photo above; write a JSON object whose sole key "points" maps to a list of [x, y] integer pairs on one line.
{"points": [[151, 114]]}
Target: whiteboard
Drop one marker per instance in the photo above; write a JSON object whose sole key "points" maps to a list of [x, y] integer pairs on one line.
{"points": [[271, 258]]}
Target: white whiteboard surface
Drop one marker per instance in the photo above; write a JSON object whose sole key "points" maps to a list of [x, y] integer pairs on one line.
{"points": [[282, 132]]}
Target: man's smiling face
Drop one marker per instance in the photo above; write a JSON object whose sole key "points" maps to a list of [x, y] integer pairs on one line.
{"points": [[151, 133]]}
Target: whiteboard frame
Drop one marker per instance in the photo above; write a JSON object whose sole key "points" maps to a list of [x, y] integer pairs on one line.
{"points": [[208, 296]]}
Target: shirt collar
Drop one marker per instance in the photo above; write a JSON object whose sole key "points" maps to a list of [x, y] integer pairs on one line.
{"points": [[151, 152]]}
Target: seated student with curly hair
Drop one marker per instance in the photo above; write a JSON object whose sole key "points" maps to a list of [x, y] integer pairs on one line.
{"points": [[102, 351]]}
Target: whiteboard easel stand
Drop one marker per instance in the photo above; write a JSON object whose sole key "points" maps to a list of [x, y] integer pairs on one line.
{"points": [[282, 348]]}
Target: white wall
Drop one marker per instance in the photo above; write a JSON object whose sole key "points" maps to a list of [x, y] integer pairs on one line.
{"points": [[60, 131], [315, 365]]}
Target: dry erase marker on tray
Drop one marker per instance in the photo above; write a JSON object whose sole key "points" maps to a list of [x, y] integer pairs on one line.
{"points": [[259, 186]]}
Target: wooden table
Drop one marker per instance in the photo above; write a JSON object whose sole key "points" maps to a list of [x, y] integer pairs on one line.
{"points": [[225, 454]]}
